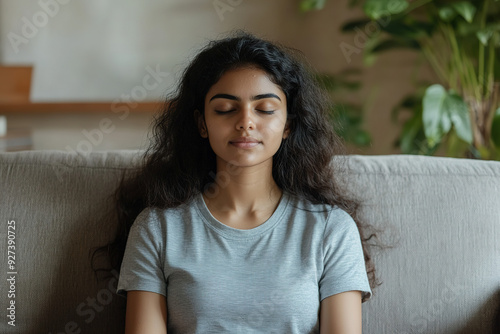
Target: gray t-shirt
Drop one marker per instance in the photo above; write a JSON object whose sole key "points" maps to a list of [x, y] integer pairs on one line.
{"points": [[269, 279]]}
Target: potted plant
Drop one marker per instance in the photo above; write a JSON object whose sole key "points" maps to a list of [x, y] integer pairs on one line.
{"points": [[460, 40]]}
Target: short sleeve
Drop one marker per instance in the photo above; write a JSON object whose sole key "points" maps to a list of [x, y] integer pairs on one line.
{"points": [[142, 265], [343, 259]]}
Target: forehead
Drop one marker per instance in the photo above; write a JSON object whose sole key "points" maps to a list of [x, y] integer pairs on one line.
{"points": [[244, 82]]}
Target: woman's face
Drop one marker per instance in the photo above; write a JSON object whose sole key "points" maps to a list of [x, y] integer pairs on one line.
{"points": [[244, 103]]}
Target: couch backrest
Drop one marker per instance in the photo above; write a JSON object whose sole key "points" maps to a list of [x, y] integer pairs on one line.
{"points": [[441, 215], [60, 203]]}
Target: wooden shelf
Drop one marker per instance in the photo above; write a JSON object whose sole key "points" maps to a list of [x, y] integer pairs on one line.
{"points": [[79, 107]]}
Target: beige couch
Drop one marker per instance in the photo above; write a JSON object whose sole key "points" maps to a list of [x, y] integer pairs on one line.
{"points": [[442, 215]]}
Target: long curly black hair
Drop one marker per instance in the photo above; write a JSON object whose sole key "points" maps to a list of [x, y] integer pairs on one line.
{"points": [[179, 163]]}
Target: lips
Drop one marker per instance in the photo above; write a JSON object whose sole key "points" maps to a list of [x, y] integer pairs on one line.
{"points": [[244, 140]]}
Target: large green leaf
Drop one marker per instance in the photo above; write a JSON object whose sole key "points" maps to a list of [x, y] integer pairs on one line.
{"points": [[435, 117], [376, 9], [458, 111], [495, 129], [441, 109], [465, 9]]}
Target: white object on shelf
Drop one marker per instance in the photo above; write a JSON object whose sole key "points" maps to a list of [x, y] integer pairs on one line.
{"points": [[16, 140], [3, 126]]}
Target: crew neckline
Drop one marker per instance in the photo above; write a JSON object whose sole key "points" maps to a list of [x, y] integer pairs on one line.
{"points": [[235, 233]]}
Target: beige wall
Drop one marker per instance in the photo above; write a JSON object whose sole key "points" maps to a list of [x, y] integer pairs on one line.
{"points": [[98, 50]]}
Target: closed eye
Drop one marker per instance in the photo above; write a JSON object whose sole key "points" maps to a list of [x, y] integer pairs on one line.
{"points": [[224, 111], [269, 112]]}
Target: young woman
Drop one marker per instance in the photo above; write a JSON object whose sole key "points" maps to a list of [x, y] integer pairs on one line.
{"points": [[236, 222]]}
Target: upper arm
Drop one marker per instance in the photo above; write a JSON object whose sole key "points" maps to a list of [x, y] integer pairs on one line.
{"points": [[341, 313], [146, 313]]}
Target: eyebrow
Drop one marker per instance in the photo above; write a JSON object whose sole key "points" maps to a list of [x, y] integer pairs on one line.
{"points": [[254, 98]]}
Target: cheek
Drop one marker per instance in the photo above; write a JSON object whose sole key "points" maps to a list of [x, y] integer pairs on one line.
{"points": [[217, 132], [274, 129], [214, 127]]}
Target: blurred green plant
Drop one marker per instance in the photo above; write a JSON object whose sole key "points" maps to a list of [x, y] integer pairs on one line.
{"points": [[461, 42], [347, 116]]}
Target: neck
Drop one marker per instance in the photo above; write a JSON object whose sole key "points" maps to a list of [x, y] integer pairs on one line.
{"points": [[243, 190]]}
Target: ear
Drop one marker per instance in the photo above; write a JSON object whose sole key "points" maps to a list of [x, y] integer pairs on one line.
{"points": [[200, 121], [286, 132]]}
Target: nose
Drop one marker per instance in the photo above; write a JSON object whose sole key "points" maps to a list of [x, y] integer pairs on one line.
{"points": [[245, 119]]}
